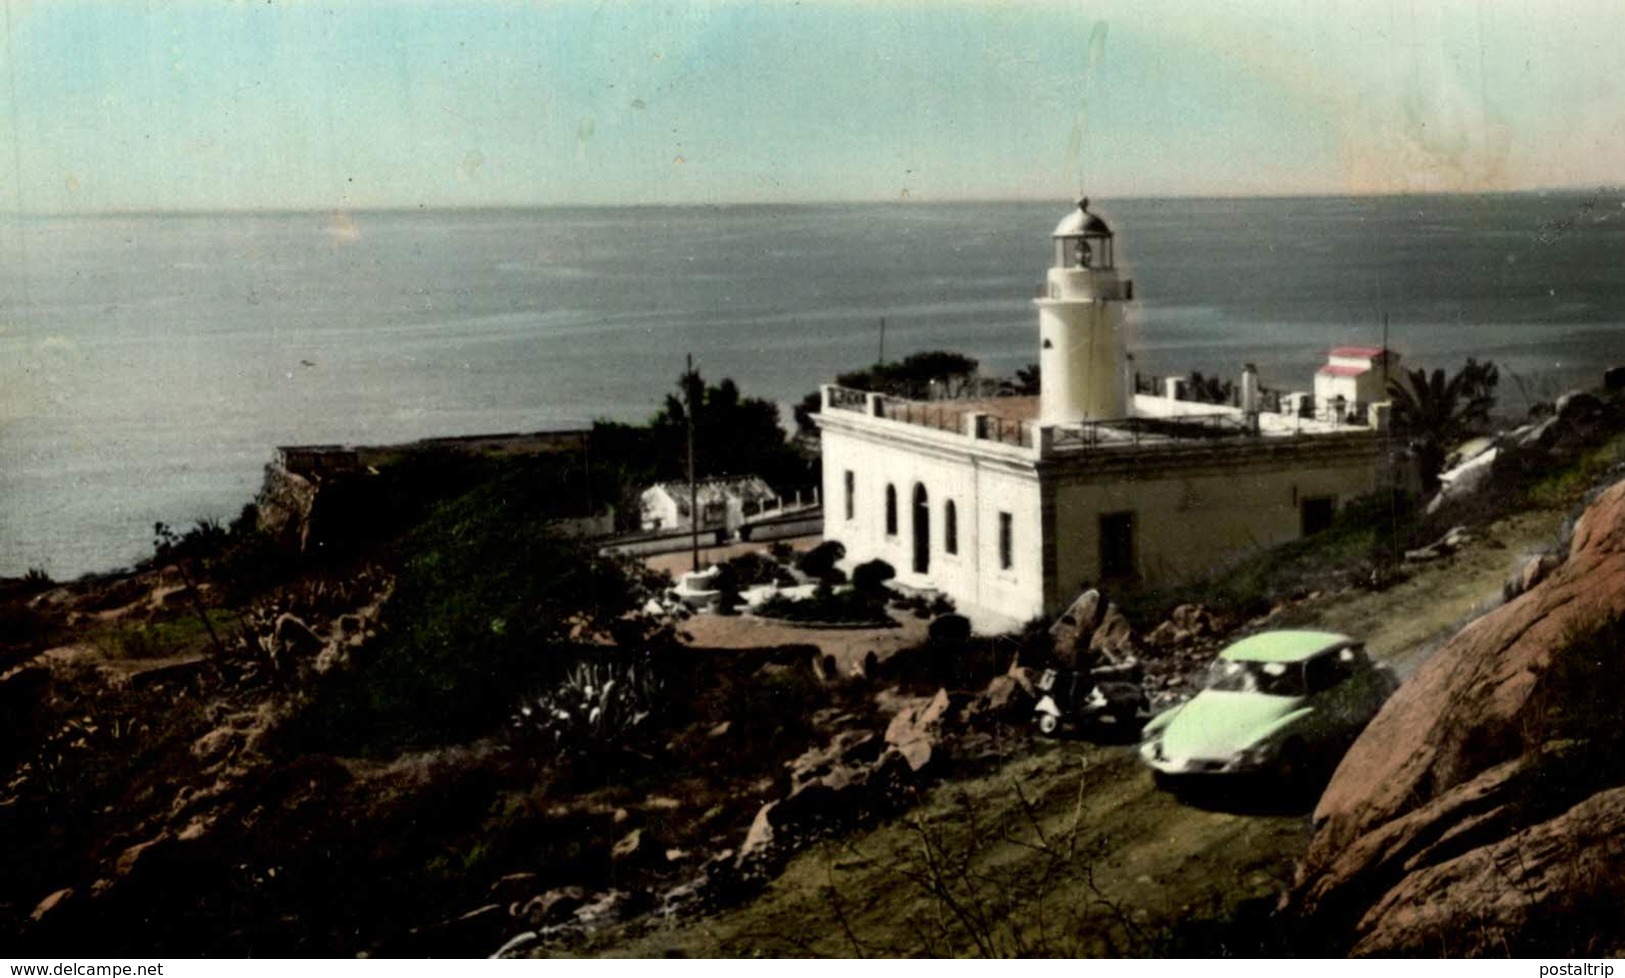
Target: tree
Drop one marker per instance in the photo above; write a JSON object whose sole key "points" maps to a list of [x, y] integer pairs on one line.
{"points": [[733, 434], [1433, 412], [1029, 380], [915, 376]]}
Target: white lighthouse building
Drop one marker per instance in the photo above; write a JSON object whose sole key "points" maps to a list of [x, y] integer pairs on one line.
{"points": [[1080, 325], [1012, 505]]}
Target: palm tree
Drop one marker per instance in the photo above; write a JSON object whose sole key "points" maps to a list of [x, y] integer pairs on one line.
{"points": [[1434, 412]]}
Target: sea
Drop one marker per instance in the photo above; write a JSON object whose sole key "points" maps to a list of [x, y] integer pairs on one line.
{"points": [[150, 363]]}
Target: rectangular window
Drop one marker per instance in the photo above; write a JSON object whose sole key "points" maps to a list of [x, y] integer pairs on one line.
{"points": [[851, 506], [1007, 534], [1116, 546]]}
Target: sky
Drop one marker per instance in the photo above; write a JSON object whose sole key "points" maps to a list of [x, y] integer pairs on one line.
{"points": [[274, 104]]}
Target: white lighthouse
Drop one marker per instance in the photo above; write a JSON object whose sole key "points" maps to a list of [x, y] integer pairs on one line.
{"points": [[1080, 325]]}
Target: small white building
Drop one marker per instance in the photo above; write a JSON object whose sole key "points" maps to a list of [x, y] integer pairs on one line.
{"points": [[1011, 506], [724, 503], [1354, 377]]}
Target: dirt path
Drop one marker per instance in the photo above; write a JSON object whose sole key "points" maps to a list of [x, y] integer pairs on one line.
{"points": [[1406, 623], [849, 646]]}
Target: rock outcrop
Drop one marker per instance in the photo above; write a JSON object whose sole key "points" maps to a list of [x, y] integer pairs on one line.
{"points": [[1481, 812]]}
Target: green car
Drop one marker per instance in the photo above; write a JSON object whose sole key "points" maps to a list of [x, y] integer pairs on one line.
{"points": [[1277, 703]]}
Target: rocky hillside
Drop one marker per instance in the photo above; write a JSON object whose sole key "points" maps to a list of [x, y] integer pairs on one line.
{"points": [[1482, 812]]}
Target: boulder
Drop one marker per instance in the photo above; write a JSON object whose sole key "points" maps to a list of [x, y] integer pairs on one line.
{"points": [[760, 839], [1168, 635], [1025, 678], [1445, 818], [608, 908], [334, 655], [633, 846], [515, 944], [552, 907], [50, 903], [1193, 619], [1073, 630], [133, 856], [295, 637], [847, 748], [1579, 406], [215, 743], [1003, 699], [1536, 570], [915, 731], [1114, 636], [1465, 479]]}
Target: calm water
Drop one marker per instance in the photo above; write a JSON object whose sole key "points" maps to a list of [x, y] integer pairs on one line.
{"points": [[149, 364]]}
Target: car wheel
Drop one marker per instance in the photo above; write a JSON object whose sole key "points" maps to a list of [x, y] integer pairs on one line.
{"points": [[1048, 723]]}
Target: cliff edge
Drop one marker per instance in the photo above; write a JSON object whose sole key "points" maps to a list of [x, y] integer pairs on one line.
{"points": [[1483, 811]]}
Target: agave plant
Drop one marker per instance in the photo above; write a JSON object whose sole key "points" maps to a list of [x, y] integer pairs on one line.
{"points": [[596, 706]]}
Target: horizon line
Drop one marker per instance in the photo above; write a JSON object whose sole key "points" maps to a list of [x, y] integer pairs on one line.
{"points": [[269, 211]]}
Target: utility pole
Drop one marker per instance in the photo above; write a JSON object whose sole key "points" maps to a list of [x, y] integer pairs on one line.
{"points": [[693, 487], [1385, 355], [882, 358]]}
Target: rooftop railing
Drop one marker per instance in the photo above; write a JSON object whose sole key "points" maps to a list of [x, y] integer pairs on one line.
{"points": [[971, 420]]}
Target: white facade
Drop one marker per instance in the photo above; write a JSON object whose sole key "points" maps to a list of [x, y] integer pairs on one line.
{"points": [[1355, 377], [1011, 506], [723, 503]]}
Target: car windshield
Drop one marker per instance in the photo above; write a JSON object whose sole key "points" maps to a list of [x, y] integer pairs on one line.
{"points": [[1269, 678]]}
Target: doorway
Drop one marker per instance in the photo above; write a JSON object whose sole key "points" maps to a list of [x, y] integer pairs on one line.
{"points": [[922, 530]]}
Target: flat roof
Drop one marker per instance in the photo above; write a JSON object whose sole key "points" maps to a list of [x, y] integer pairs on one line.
{"points": [[1008, 408], [1284, 646]]}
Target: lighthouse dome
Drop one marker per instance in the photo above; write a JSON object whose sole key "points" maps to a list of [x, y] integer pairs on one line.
{"points": [[1080, 222]]}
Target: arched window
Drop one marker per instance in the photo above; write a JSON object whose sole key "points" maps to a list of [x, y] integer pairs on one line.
{"points": [[891, 510], [950, 527], [922, 530]]}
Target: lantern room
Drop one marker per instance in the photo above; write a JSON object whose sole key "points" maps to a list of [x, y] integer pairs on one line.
{"points": [[1082, 240]]}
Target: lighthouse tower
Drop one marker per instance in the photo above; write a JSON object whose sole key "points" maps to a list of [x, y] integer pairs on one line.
{"points": [[1080, 325]]}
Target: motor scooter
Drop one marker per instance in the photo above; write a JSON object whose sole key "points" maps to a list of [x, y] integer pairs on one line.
{"points": [[1105, 703]]}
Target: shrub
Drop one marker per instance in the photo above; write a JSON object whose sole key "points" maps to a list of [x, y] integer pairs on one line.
{"points": [[819, 562], [752, 569], [871, 576], [847, 607], [949, 631], [726, 583]]}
